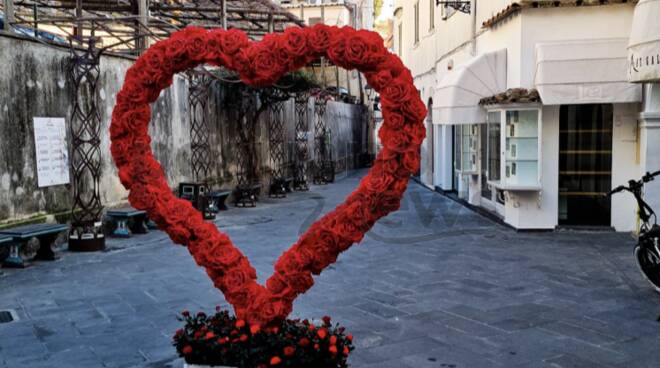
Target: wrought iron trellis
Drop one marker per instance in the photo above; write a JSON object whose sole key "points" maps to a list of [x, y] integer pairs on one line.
{"points": [[84, 71], [199, 126], [324, 166], [280, 179], [241, 103], [300, 181]]}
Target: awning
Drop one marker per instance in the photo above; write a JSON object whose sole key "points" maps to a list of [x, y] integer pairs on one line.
{"points": [[644, 45], [582, 72], [456, 99]]}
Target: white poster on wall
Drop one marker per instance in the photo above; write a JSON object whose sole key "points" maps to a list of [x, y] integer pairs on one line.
{"points": [[52, 152]]}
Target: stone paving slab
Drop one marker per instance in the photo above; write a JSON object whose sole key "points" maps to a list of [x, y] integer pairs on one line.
{"points": [[432, 285]]}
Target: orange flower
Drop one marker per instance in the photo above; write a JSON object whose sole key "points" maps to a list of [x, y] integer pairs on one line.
{"points": [[346, 351], [275, 360], [333, 340], [187, 350], [332, 349], [289, 351], [349, 338], [322, 333], [255, 329], [209, 335], [240, 323]]}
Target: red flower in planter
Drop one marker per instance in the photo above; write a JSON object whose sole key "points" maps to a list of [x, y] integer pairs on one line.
{"points": [[275, 360]]}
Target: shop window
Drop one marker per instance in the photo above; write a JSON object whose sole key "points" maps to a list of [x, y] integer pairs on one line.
{"points": [[467, 140], [490, 154], [515, 166], [522, 148]]}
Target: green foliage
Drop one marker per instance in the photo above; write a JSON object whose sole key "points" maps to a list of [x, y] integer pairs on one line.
{"points": [[378, 6]]}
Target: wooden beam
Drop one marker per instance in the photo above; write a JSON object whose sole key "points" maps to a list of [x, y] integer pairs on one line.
{"points": [[143, 30], [9, 14], [223, 13], [78, 31]]}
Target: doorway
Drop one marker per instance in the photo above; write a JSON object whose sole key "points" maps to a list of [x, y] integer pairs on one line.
{"points": [[585, 164]]}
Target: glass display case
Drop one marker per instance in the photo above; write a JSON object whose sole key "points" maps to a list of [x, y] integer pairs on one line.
{"points": [[522, 148], [467, 139], [520, 129]]}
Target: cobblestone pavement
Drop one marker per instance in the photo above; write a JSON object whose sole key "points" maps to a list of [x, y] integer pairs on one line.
{"points": [[433, 285]]}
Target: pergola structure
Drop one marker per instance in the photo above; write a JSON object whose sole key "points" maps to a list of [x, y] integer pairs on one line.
{"points": [[128, 26]]}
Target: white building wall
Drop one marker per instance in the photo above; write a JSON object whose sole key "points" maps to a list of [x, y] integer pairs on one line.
{"points": [[625, 165]]}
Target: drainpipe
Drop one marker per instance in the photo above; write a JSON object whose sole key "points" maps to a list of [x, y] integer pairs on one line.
{"points": [[473, 14]]}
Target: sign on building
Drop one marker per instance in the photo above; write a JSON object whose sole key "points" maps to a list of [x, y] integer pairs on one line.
{"points": [[51, 151]]}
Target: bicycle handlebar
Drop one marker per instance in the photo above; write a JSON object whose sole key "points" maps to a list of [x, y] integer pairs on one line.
{"points": [[632, 184]]}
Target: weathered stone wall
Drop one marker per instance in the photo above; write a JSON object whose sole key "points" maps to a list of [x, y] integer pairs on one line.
{"points": [[34, 83]]}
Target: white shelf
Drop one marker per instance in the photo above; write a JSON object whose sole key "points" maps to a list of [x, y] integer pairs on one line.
{"points": [[514, 188]]}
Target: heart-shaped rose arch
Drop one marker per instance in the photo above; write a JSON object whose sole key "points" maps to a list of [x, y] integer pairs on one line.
{"points": [[261, 64]]}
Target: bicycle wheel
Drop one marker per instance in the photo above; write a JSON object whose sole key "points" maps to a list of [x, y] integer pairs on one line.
{"points": [[649, 263]]}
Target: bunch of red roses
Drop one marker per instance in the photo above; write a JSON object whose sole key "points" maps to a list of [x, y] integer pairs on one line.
{"points": [[223, 340], [262, 63]]}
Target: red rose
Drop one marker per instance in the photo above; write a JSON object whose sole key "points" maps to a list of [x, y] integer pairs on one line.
{"points": [[337, 49], [415, 109], [176, 51], [380, 79], [318, 38], [196, 43], [275, 360], [236, 278], [356, 50], [304, 342], [411, 160], [393, 120], [322, 333], [295, 41], [333, 349], [187, 350], [289, 351], [378, 181], [417, 133], [265, 63], [233, 41], [396, 140], [396, 93]]}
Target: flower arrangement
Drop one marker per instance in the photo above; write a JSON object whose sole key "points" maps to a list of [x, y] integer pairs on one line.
{"points": [[260, 335], [259, 64], [224, 340]]}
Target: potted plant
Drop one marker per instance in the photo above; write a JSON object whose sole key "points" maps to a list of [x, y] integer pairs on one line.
{"points": [[222, 340]]}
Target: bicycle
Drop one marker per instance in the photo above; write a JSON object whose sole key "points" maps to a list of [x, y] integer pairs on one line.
{"points": [[647, 249]]}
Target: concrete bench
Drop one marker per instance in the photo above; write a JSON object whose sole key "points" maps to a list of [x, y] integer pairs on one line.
{"points": [[5, 241], [218, 200], [45, 233], [129, 221], [247, 195]]}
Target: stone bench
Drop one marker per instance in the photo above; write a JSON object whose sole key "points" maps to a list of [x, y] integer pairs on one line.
{"points": [[279, 187], [217, 200], [5, 242], [20, 236], [247, 195], [129, 221]]}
